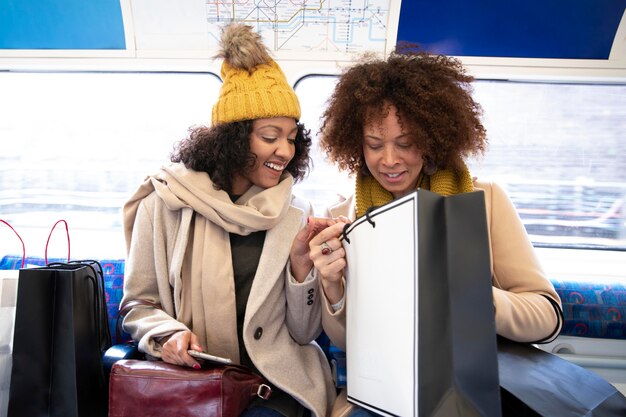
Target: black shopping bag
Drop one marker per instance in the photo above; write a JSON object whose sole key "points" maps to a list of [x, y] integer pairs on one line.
{"points": [[537, 383], [61, 332], [420, 323]]}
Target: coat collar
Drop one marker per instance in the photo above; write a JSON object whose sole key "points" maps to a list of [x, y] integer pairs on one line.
{"points": [[274, 257]]}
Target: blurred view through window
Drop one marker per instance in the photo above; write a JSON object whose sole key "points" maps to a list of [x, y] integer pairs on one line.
{"points": [[559, 150], [76, 145]]}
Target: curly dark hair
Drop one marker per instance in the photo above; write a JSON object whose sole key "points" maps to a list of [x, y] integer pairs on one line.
{"points": [[223, 150], [432, 94]]}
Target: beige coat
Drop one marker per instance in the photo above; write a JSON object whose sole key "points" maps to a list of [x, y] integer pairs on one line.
{"points": [[282, 317], [524, 298]]}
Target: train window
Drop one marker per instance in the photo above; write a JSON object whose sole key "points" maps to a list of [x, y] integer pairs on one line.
{"points": [[558, 149], [75, 145], [325, 183]]}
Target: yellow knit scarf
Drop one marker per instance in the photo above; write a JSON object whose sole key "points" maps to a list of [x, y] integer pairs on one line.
{"points": [[445, 182]]}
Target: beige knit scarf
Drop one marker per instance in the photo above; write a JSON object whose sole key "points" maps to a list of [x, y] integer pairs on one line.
{"points": [[205, 299], [445, 182]]}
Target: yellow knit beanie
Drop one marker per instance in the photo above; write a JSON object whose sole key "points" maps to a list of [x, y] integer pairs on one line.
{"points": [[254, 85]]}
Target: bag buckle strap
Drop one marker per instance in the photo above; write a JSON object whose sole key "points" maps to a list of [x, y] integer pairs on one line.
{"points": [[264, 391]]}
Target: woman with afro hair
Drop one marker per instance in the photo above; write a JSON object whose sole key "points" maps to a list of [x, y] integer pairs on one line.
{"points": [[409, 121]]}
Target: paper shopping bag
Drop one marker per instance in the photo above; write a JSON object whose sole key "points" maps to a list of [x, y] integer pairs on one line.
{"points": [[420, 323], [535, 383], [61, 332], [8, 295]]}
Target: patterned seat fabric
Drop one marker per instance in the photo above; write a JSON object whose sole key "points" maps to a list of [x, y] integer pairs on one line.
{"points": [[113, 271], [593, 309]]}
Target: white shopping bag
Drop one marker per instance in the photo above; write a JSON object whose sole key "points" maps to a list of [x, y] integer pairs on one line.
{"points": [[420, 329], [8, 295]]}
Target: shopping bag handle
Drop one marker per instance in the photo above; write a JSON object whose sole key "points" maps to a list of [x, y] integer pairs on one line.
{"points": [[20, 238], [67, 233]]}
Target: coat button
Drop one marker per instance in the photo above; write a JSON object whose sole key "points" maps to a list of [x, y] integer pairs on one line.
{"points": [[258, 333], [309, 302], [311, 291]]}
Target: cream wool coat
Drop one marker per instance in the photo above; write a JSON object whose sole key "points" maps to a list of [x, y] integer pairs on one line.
{"points": [[521, 290], [282, 317]]}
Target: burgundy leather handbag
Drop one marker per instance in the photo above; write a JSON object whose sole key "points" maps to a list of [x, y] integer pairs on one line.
{"points": [[156, 388]]}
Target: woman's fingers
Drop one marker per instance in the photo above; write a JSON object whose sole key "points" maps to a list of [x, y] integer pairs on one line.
{"points": [[325, 248], [175, 349], [330, 232], [317, 224], [303, 238]]}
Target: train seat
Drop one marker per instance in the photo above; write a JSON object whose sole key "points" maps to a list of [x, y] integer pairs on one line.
{"points": [[593, 311]]}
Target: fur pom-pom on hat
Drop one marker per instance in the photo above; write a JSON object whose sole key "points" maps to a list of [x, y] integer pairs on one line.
{"points": [[242, 48], [254, 85]]}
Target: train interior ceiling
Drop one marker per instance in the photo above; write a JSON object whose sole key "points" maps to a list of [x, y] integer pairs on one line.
{"points": [[95, 94]]}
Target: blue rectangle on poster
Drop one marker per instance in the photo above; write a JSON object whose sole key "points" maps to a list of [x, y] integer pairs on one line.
{"points": [[580, 29], [61, 24]]}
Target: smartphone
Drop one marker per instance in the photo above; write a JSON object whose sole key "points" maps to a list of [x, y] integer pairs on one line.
{"points": [[208, 357]]}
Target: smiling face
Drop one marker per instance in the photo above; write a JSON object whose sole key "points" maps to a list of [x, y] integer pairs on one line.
{"points": [[272, 141], [391, 154]]}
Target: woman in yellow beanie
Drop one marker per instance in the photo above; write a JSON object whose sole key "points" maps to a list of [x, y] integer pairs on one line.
{"points": [[217, 239], [408, 122]]}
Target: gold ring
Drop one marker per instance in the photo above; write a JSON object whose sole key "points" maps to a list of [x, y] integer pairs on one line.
{"points": [[325, 248]]}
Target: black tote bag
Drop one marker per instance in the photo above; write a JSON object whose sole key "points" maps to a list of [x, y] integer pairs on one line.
{"points": [[535, 383], [61, 332], [420, 323]]}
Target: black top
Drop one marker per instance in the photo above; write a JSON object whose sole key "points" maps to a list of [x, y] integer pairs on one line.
{"points": [[246, 253]]}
